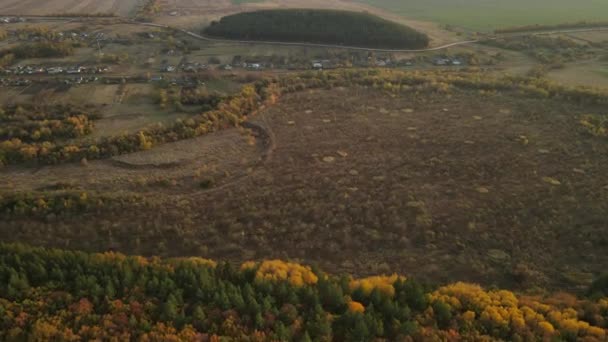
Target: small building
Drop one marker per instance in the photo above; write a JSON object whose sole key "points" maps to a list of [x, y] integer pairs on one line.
{"points": [[167, 68], [74, 70], [253, 66], [442, 61], [54, 70]]}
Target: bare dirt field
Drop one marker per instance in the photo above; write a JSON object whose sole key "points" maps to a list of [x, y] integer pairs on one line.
{"points": [[49, 7], [497, 189]]}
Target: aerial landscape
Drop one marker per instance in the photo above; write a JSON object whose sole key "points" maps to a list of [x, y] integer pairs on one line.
{"points": [[289, 170]]}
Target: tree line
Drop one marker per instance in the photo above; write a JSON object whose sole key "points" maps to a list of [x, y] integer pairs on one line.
{"points": [[51, 294], [318, 26], [564, 26], [40, 50]]}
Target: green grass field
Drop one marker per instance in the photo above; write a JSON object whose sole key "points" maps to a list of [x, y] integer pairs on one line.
{"points": [[485, 15]]}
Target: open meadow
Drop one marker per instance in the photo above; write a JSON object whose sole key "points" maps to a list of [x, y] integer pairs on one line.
{"points": [[483, 15]]}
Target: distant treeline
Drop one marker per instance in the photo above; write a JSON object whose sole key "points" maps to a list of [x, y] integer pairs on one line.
{"points": [[564, 26], [318, 26]]}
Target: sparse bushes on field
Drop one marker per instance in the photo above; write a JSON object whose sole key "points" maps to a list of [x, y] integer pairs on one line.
{"points": [[150, 8], [547, 50], [596, 125], [109, 58], [64, 202], [231, 110]]}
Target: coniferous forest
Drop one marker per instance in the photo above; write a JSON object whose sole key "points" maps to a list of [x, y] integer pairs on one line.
{"points": [[56, 295], [318, 26]]}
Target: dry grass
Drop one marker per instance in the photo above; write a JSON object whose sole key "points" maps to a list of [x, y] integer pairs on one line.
{"points": [[438, 186], [32, 7], [592, 73]]}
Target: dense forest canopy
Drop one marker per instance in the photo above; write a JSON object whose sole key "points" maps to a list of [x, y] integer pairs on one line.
{"points": [[68, 296], [318, 26]]}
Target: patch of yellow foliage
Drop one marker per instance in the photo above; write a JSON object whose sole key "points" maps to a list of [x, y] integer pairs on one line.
{"points": [[383, 283], [197, 261], [296, 274], [356, 307], [249, 265], [503, 310]]}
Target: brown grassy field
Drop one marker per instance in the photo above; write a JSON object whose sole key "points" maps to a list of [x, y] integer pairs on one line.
{"points": [[497, 189], [33, 7], [590, 73]]}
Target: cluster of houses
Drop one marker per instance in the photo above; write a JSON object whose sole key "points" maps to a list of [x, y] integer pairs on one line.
{"points": [[184, 81], [35, 36], [447, 61], [189, 67], [54, 70], [24, 82], [11, 20], [20, 82]]}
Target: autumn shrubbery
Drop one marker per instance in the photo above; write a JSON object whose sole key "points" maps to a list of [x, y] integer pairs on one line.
{"points": [[232, 110], [39, 124], [595, 125], [62, 202], [227, 113]]}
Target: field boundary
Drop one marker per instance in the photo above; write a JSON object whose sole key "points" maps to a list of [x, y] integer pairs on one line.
{"points": [[330, 46]]}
